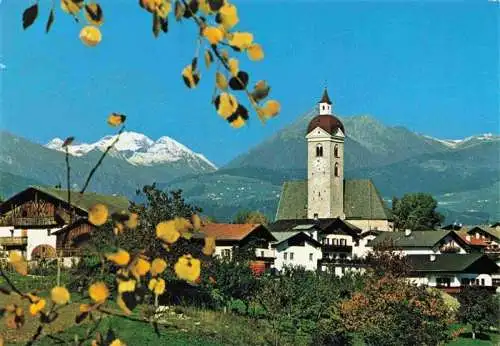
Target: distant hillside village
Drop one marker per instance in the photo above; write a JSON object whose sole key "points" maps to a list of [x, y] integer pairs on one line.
{"points": [[323, 223]]}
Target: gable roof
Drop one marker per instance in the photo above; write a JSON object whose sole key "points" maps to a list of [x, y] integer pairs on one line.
{"points": [[234, 232], [361, 201], [321, 224], [485, 229], [473, 263], [415, 239], [81, 201], [285, 236]]}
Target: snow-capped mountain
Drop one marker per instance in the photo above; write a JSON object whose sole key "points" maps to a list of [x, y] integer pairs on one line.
{"points": [[140, 150], [461, 143]]}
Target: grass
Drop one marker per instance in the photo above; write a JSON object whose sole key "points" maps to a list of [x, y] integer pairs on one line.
{"points": [[465, 338]]}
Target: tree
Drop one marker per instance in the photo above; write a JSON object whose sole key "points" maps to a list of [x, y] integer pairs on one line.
{"points": [[247, 216], [416, 211], [391, 311], [479, 308]]}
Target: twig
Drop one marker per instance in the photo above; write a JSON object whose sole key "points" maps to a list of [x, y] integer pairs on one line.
{"points": [[101, 159]]}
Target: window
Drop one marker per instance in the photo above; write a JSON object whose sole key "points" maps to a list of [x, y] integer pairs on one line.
{"points": [[482, 282], [226, 253], [337, 174], [315, 215], [343, 242], [291, 256], [443, 282], [335, 242], [319, 150], [262, 254], [285, 256], [336, 150], [310, 257]]}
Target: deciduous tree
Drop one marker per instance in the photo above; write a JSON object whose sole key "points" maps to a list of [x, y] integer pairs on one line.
{"points": [[416, 211], [479, 308]]}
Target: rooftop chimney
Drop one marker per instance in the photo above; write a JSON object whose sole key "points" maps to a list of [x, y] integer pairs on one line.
{"points": [[407, 232], [433, 258]]}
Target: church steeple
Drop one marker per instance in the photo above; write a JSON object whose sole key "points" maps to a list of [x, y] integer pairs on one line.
{"points": [[325, 105]]}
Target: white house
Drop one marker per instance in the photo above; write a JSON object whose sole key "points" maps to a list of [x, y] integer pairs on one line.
{"points": [[296, 249]]}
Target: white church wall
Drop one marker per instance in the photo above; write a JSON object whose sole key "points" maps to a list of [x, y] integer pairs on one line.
{"points": [[372, 225]]}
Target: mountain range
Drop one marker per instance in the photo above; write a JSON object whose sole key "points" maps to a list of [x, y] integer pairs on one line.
{"points": [[464, 175]]}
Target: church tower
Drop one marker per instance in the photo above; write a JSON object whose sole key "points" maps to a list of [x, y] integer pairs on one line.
{"points": [[325, 163]]}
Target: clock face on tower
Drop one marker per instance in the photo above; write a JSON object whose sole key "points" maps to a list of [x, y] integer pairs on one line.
{"points": [[319, 165]]}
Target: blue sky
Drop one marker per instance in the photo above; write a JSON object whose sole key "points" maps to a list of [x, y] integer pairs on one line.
{"points": [[429, 66]]}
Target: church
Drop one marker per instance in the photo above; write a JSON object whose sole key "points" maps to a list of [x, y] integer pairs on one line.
{"points": [[325, 196]]}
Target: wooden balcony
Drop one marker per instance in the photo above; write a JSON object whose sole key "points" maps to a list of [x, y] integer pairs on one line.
{"points": [[336, 248], [13, 241], [44, 221]]}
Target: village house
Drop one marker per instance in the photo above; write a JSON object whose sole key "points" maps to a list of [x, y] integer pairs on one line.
{"points": [[232, 237], [39, 222], [296, 248]]}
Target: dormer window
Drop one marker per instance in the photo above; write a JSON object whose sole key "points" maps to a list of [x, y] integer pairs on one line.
{"points": [[319, 150]]}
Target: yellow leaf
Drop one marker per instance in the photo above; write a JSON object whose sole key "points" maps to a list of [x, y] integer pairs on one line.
{"points": [[117, 342], [126, 286], [188, 268], [93, 13], [213, 34], [71, 7], [157, 286], [196, 221], [85, 307], [182, 224], [226, 104], [208, 58], [132, 221], [255, 52], [164, 9], [18, 262], [150, 5], [98, 214], [37, 307], [99, 292], [121, 257], [233, 66], [220, 81], [90, 35], [209, 247], [190, 77], [167, 232], [241, 40], [271, 108], [229, 16], [158, 266], [205, 7], [140, 268], [59, 295], [122, 305], [118, 228], [116, 119]]}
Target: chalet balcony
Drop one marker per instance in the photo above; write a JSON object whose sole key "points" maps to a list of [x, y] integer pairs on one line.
{"points": [[264, 254], [336, 248], [13, 241], [45, 221]]}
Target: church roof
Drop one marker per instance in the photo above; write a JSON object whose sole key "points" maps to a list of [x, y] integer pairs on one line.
{"points": [[361, 201], [325, 98], [327, 122]]}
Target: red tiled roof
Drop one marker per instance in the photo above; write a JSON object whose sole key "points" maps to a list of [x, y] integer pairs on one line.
{"points": [[228, 231], [472, 239]]}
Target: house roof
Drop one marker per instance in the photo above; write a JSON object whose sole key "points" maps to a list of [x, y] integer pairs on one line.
{"points": [[415, 239], [486, 229], [80, 201], [472, 239], [361, 201], [73, 225], [284, 236], [323, 225], [451, 262], [233, 232]]}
